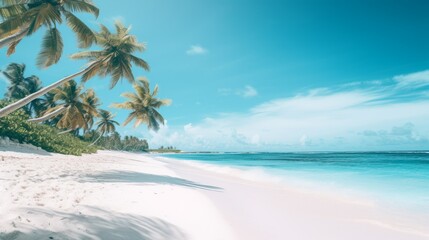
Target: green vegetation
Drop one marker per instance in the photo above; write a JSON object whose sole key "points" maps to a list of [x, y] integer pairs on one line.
{"points": [[143, 105], [54, 117], [114, 141], [106, 124], [164, 150], [16, 127], [76, 109], [115, 59], [22, 18]]}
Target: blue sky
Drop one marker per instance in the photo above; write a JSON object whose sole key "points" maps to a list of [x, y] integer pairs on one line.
{"points": [[272, 75]]}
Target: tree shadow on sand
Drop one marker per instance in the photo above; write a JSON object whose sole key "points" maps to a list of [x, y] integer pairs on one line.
{"points": [[96, 224], [20, 149], [145, 178]]}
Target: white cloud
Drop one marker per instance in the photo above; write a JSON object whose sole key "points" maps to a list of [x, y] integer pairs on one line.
{"points": [[196, 50], [321, 119], [414, 79], [247, 92]]}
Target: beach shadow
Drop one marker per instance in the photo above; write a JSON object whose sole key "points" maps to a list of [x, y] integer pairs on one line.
{"points": [[23, 150], [97, 224], [145, 178]]}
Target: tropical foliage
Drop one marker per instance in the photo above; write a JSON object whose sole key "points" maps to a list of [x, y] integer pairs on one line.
{"points": [[143, 105], [114, 141], [106, 124], [115, 59], [91, 103], [76, 109], [16, 127], [24, 17], [65, 106], [21, 86]]}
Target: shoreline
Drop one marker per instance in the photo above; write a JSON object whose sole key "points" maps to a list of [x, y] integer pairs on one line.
{"points": [[307, 214], [114, 195]]}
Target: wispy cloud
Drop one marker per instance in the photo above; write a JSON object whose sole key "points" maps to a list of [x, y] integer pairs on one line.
{"points": [[414, 79], [196, 50], [358, 117], [246, 92]]}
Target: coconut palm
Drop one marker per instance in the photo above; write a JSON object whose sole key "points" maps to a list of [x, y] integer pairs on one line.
{"points": [[143, 105], [33, 84], [24, 17], [106, 124], [21, 86], [71, 108], [47, 102], [92, 102], [114, 59], [18, 83]]}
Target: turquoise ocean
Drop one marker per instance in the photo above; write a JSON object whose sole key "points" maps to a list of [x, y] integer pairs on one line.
{"points": [[393, 179]]}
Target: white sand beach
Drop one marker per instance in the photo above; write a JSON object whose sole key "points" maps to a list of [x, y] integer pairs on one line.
{"points": [[116, 195]]}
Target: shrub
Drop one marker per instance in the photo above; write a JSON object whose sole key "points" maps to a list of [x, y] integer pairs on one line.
{"points": [[16, 127]]}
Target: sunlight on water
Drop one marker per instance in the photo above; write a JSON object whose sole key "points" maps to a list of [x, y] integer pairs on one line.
{"points": [[396, 178]]}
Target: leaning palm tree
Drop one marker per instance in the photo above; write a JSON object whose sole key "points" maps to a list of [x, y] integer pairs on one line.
{"points": [[106, 124], [71, 108], [114, 59], [143, 105], [24, 17]]}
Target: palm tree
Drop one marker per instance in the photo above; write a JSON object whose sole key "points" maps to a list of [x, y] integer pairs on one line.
{"points": [[143, 105], [24, 17], [21, 86], [14, 73], [33, 84], [106, 124], [115, 59], [92, 102], [46, 103], [71, 108]]}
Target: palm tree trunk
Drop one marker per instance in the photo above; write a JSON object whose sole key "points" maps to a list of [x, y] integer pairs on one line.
{"points": [[14, 37], [24, 101], [49, 115], [96, 139], [67, 131]]}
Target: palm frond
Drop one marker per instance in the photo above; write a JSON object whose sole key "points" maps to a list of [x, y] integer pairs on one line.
{"points": [[130, 117], [45, 14], [81, 6], [52, 48], [90, 55], [11, 10], [84, 34], [12, 24], [12, 47], [139, 62]]}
